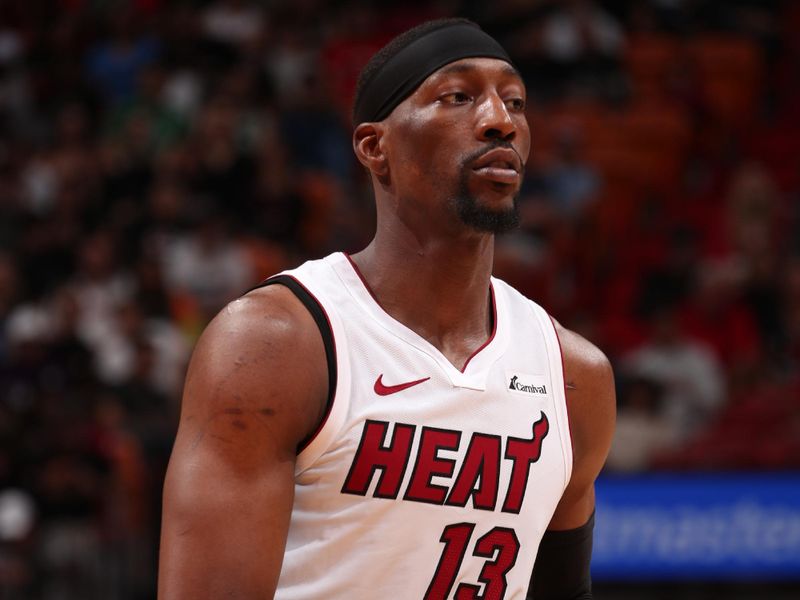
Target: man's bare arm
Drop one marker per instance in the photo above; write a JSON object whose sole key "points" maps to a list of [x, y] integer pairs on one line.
{"points": [[561, 571], [592, 406], [256, 387]]}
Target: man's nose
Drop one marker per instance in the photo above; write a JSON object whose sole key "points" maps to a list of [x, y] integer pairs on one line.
{"points": [[494, 121]]}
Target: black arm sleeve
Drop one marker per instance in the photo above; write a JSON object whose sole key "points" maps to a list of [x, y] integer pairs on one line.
{"points": [[561, 571]]}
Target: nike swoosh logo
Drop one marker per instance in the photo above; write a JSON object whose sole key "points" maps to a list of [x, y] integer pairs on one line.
{"points": [[385, 390]]}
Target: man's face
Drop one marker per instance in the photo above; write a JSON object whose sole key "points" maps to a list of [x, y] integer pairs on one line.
{"points": [[459, 143]]}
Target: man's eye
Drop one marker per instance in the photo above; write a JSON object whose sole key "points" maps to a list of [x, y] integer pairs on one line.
{"points": [[455, 98], [516, 104]]}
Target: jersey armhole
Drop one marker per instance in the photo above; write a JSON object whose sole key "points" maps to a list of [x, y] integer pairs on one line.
{"points": [[326, 331], [562, 374]]}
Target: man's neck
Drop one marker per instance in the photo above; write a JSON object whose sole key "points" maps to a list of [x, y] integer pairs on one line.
{"points": [[437, 288]]}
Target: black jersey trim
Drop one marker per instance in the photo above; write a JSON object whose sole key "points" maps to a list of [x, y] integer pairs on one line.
{"points": [[323, 324]]}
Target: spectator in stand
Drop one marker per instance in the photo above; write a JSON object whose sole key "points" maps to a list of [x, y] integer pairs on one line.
{"points": [[155, 350], [147, 109], [311, 118], [237, 24], [290, 63], [100, 286], [717, 315], [791, 311], [223, 171], [208, 264], [16, 87], [643, 428], [583, 42], [114, 64], [690, 375], [17, 545], [572, 182], [9, 294], [756, 235]]}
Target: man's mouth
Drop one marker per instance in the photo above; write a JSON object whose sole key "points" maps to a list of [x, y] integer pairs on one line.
{"points": [[501, 165], [501, 173]]}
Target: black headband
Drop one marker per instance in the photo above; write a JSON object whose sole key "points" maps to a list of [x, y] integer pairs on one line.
{"points": [[399, 76]]}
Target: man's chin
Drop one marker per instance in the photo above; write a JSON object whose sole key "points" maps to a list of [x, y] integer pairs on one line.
{"points": [[500, 218]]}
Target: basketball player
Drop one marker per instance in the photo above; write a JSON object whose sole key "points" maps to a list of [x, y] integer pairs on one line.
{"points": [[397, 423]]}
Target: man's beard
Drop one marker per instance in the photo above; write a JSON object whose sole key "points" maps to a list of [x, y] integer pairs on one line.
{"points": [[480, 217]]}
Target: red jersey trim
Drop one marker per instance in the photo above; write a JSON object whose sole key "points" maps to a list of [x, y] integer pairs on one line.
{"points": [[564, 379], [494, 329]]}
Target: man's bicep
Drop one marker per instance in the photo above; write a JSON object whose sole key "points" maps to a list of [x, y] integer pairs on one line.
{"points": [[225, 521], [229, 487]]}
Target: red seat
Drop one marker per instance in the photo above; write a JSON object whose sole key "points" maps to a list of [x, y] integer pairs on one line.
{"points": [[731, 71]]}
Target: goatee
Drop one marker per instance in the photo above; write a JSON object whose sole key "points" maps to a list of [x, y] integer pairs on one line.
{"points": [[485, 219], [480, 217]]}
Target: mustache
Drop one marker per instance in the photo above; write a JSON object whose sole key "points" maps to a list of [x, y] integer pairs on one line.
{"points": [[496, 143]]}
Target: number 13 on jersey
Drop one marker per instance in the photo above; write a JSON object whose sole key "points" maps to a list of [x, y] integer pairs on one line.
{"points": [[499, 547]]}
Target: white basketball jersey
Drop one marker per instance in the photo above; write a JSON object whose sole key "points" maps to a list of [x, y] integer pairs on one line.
{"points": [[427, 481]]}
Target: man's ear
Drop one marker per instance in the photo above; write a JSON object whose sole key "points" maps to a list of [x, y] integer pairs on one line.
{"points": [[369, 150]]}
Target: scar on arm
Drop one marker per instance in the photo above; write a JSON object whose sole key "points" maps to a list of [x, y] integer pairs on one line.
{"points": [[571, 386], [237, 421]]}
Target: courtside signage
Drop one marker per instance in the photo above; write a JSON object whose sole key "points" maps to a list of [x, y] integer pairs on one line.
{"points": [[706, 527]]}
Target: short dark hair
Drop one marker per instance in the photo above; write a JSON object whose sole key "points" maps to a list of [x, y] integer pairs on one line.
{"points": [[396, 45]]}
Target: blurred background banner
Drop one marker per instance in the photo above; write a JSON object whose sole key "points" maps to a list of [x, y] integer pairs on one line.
{"points": [[708, 527]]}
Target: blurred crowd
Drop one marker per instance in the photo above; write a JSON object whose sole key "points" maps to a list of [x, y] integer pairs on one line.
{"points": [[158, 158]]}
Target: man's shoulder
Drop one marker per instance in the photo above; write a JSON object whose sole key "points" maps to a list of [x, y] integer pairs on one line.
{"points": [[267, 314], [263, 348], [591, 402], [582, 357]]}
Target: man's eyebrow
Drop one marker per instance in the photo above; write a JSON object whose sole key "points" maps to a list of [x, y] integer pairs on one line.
{"points": [[461, 67], [511, 71]]}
